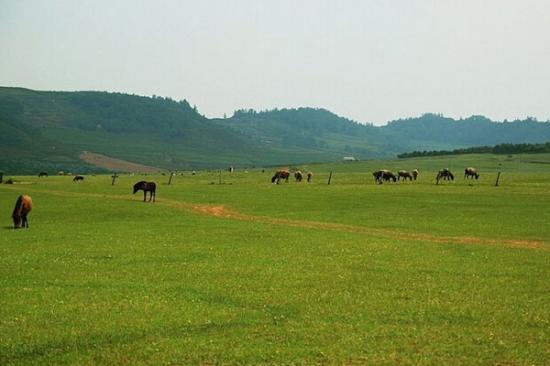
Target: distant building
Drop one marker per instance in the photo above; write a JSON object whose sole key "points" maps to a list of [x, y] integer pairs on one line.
{"points": [[349, 158]]}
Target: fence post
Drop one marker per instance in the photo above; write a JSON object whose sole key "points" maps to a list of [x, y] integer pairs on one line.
{"points": [[170, 179], [114, 176], [498, 177], [329, 177]]}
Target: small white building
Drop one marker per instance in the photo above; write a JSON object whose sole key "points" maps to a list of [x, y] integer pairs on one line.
{"points": [[349, 158]]}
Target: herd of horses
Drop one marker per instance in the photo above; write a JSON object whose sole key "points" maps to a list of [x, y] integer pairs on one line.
{"points": [[284, 174], [23, 205], [385, 175]]}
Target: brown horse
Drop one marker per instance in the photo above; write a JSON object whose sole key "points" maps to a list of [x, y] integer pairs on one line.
{"points": [[150, 187], [78, 178], [280, 174], [404, 174], [298, 176], [309, 176], [23, 206], [471, 173], [444, 174]]}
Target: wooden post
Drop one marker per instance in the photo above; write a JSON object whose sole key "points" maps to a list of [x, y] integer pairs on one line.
{"points": [[498, 177], [170, 178], [220, 180], [114, 176], [329, 177]]}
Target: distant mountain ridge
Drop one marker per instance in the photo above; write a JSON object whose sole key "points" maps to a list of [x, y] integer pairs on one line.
{"points": [[49, 130]]}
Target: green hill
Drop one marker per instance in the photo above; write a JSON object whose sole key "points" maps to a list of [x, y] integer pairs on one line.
{"points": [[42, 130]]}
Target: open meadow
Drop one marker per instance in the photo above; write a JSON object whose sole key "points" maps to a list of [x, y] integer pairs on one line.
{"points": [[230, 269]]}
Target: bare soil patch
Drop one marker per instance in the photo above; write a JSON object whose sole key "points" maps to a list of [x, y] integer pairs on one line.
{"points": [[113, 164]]}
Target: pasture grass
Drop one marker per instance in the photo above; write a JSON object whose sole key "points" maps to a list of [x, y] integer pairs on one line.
{"points": [[101, 278]]}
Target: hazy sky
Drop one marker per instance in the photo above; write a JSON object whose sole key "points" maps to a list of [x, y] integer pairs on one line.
{"points": [[369, 60]]}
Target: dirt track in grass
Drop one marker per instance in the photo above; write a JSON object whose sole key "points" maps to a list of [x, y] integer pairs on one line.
{"points": [[222, 212]]}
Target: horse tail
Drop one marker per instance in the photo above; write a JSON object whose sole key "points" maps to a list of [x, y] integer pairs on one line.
{"points": [[18, 207]]}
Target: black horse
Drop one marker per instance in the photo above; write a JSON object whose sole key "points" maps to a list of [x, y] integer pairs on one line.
{"points": [[383, 175], [42, 174], [150, 187], [78, 178]]}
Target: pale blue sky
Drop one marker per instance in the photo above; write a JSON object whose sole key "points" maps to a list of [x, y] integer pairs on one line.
{"points": [[371, 61]]}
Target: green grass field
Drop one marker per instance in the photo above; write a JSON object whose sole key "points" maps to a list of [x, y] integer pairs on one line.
{"points": [[246, 272]]}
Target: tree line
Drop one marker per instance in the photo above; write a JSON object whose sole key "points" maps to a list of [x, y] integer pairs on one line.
{"points": [[497, 149]]}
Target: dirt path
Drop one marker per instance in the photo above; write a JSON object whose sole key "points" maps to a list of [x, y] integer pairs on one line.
{"points": [[221, 211]]}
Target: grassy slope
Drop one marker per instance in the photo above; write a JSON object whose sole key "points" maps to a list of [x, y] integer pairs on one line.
{"points": [[110, 280], [47, 131]]}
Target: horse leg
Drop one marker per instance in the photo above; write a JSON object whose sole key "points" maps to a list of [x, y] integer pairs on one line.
{"points": [[25, 222], [144, 195], [154, 196]]}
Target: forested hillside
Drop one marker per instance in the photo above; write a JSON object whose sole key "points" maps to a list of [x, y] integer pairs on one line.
{"points": [[42, 130]]}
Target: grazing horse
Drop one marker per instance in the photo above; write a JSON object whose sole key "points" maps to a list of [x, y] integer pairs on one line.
{"points": [[23, 206], [377, 176], [471, 173], [42, 174], [415, 173], [78, 178], [150, 187], [383, 175], [309, 176], [280, 174], [298, 176], [444, 174], [404, 174]]}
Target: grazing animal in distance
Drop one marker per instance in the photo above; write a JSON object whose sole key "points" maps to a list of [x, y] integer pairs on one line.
{"points": [[415, 173], [383, 175], [377, 176], [78, 178], [309, 176], [280, 174], [404, 174], [150, 187], [471, 173], [444, 174], [298, 176], [23, 206], [387, 176], [42, 174]]}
